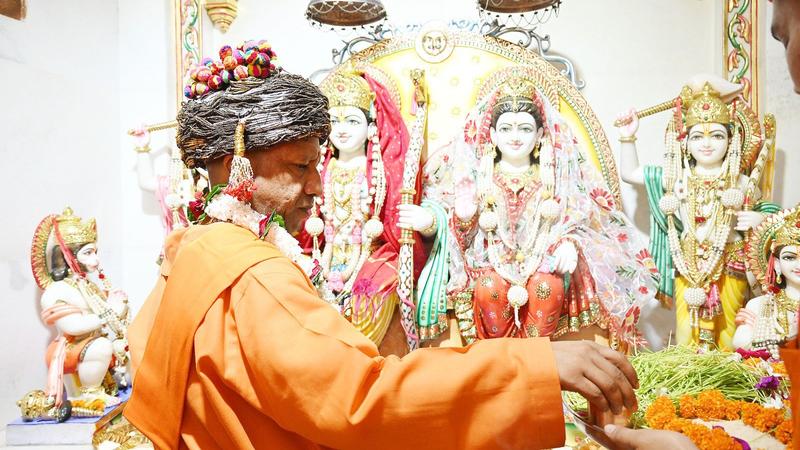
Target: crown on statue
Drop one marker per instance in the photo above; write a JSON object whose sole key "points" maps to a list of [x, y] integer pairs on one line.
{"points": [[707, 106], [789, 233], [75, 231], [516, 90], [348, 89]]}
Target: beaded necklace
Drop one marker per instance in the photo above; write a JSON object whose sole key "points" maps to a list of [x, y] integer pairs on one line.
{"points": [[772, 325]]}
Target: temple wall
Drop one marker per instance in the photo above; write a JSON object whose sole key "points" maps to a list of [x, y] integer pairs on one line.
{"points": [[76, 75], [59, 126]]}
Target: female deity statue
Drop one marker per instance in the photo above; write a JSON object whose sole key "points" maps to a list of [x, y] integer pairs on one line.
{"points": [[538, 247], [695, 201], [91, 321], [774, 255], [352, 228]]}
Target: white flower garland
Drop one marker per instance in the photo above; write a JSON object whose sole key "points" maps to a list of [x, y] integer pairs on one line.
{"points": [[227, 208]]}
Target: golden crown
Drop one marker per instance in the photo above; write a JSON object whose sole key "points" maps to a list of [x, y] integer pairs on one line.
{"points": [[516, 89], [348, 89], [706, 106], [75, 231], [789, 232]]}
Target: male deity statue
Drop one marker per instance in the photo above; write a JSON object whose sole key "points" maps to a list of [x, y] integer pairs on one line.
{"points": [[91, 320]]}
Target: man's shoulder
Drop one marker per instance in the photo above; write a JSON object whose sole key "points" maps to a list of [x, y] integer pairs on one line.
{"points": [[274, 278], [278, 267]]}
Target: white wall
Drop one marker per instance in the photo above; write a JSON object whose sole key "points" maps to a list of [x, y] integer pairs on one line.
{"points": [[59, 146], [146, 95]]}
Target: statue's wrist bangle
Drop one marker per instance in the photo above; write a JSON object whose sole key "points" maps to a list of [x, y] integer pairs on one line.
{"points": [[430, 230]]}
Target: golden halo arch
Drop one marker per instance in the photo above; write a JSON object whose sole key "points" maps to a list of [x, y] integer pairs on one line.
{"points": [[457, 64]]}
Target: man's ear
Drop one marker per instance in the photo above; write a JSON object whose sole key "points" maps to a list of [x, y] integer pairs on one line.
{"points": [[219, 169], [227, 161]]}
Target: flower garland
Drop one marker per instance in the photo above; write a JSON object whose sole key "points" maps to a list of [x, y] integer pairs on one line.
{"points": [[712, 405], [232, 205], [546, 213]]}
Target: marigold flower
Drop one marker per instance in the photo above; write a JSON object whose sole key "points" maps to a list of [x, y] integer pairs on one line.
{"points": [[783, 432]]}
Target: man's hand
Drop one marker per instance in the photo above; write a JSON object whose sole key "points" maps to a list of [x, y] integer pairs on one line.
{"points": [[628, 439], [603, 376]]}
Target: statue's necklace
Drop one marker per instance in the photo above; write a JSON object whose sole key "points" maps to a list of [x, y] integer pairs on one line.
{"points": [[786, 305], [342, 180], [515, 182]]}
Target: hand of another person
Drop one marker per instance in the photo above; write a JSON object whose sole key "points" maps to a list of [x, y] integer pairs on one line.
{"points": [[631, 121], [414, 217], [603, 376], [565, 258], [628, 439], [746, 317], [746, 220], [466, 203]]}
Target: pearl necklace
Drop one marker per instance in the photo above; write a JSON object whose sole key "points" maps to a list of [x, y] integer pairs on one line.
{"points": [[371, 229], [545, 213], [226, 208], [772, 324]]}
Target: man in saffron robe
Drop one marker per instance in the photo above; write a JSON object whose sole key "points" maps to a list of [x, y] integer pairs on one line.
{"points": [[786, 29], [235, 349]]}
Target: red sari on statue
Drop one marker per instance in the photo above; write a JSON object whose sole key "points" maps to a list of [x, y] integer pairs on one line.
{"points": [[376, 282]]}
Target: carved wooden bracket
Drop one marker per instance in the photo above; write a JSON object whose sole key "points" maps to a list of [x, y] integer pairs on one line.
{"points": [[14, 9]]}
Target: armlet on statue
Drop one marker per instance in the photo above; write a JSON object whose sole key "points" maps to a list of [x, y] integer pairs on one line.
{"points": [[766, 207], [735, 259], [464, 314]]}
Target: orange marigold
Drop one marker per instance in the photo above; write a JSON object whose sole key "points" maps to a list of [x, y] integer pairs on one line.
{"points": [[660, 413], [753, 362], [784, 432], [688, 407], [705, 438], [779, 368], [713, 405], [765, 419]]}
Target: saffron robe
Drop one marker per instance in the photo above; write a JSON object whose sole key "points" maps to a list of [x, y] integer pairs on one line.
{"points": [[790, 355], [242, 353]]}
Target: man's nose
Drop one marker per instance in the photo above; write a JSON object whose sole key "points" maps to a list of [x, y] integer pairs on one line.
{"points": [[314, 184]]}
